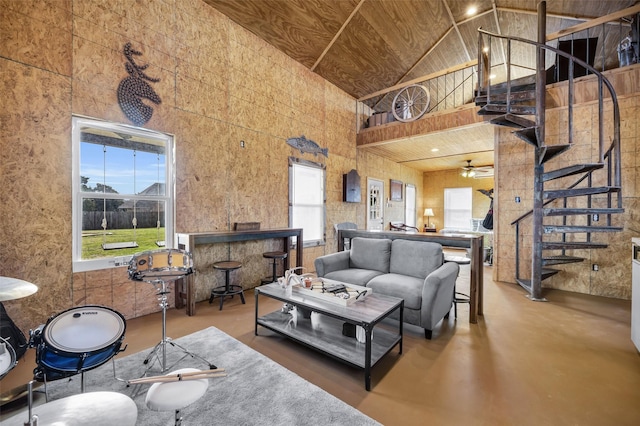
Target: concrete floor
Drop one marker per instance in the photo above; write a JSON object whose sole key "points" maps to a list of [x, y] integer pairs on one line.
{"points": [[569, 361]]}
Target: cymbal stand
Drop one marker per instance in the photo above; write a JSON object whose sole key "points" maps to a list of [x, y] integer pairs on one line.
{"points": [[33, 418], [161, 285]]}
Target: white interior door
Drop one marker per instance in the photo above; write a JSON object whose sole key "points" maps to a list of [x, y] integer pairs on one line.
{"points": [[375, 205], [410, 205]]}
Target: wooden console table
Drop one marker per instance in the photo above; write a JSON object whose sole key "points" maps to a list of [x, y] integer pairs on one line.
{"points": [[188, 242], [473, 242]]}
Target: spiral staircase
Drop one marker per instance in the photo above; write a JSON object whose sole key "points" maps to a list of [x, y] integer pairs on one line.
{"points": [[571, 202]]}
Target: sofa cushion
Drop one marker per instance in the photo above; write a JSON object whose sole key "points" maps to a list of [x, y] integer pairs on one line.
{"points": [[353, 276], [398, 285], [370, 253], [415, 258]]}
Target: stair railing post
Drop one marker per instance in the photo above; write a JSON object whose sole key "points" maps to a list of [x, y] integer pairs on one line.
{"points": [[600, 121], [508, 76], [517, 250], [479, 82], [571, 96], [538, 184], [541, 77], [537, 231]]}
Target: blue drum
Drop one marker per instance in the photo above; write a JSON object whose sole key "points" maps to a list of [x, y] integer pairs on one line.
{"points": [[77, 340]]}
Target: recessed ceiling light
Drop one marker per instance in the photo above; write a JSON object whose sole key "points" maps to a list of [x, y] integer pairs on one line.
{"points": [[435, 150], [472, 10]]}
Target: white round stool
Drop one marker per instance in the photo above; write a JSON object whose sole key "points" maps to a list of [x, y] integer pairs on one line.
{"points": [[173, 396]]}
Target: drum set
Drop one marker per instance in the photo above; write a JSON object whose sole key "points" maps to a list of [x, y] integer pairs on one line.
{"points": [[71, 342], [83, 338]]}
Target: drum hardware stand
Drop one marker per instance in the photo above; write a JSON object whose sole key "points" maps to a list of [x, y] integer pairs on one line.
{"points": [[161, 285], [33, 418], [70, 378]]}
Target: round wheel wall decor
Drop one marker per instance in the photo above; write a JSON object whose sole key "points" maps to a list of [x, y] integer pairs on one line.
{"points": [[411, 103]]}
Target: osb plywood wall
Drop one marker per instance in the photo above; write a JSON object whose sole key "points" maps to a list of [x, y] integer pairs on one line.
{"points": [[434, 184], [219, 85], [514, 178]]}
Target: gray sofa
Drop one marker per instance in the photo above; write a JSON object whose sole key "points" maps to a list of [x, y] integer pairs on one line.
{"points": [[411, 270]]}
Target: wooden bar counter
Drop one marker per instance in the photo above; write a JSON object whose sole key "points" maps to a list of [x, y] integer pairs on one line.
{"points": [[188, 242], [473, 242]]}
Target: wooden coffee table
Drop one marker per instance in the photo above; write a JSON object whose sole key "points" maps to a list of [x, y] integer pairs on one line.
{"points": [[325, 334]]}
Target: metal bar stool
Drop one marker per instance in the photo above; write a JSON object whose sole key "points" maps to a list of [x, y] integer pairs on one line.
{"points": [[227, 289], [274, 255], [458, 297]]}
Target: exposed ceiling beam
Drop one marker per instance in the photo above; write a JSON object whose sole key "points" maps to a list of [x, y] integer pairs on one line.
{"points": [[335, 37], [433, 75], [595, 22], [622, 13], [403, 76], [399, 82], [549, 14], [437, 43], [495, 16], [439, 157], [455, 26]]}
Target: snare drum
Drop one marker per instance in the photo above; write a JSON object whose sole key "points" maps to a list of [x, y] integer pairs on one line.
{"points": [[156, 264], [77, 340], [7, 357]]}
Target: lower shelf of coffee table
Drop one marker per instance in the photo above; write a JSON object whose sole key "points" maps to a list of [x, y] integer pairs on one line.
{"points": [[326, 336]]}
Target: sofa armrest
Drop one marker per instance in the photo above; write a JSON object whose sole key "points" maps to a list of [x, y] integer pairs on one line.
{"points": [[437, 294], [332, 262]]}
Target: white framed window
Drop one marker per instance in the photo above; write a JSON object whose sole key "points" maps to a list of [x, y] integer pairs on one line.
{"points": [[123, 192], [410, 205], [307, 200], [457, 208]]}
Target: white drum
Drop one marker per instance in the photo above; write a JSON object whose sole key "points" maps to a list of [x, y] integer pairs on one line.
{"points": [[7, 357], [160, 264]]}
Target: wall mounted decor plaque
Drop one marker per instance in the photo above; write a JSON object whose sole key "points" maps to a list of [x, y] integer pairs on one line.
{"points": [[396, 190], [134, 88]]}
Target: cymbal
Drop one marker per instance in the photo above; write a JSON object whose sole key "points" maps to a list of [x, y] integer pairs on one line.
{"points": [[13, 288], [94, 408], [17, 393]]}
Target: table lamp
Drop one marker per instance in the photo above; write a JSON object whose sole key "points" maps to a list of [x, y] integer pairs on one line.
{"points": [[428, 213]]}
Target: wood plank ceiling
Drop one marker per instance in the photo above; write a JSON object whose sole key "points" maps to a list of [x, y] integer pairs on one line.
{"points": [[363, 46]]}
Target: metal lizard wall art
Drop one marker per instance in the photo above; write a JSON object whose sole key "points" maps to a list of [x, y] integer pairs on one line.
{"points": [[134, 88]]}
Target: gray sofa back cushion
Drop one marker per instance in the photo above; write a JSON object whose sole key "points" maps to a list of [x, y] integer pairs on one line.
{"points": [[370, 253], [415, 258]]}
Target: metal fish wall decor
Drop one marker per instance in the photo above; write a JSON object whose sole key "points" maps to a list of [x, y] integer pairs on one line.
{"points": [[307, 145]]}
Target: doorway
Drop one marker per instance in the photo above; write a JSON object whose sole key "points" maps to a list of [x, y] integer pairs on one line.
{"points": [[375, 210]]}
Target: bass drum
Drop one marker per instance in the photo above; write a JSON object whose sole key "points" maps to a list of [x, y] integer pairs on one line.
{"points": [[77, 340]]}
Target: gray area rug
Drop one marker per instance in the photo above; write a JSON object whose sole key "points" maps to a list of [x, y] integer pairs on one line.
{"points": [[256, 390]]}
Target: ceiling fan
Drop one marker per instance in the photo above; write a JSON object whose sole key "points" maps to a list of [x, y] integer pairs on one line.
{"points": [[470, 171]]}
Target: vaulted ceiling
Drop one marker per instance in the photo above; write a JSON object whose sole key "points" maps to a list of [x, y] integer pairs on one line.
{"points": [[363, 46]]}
